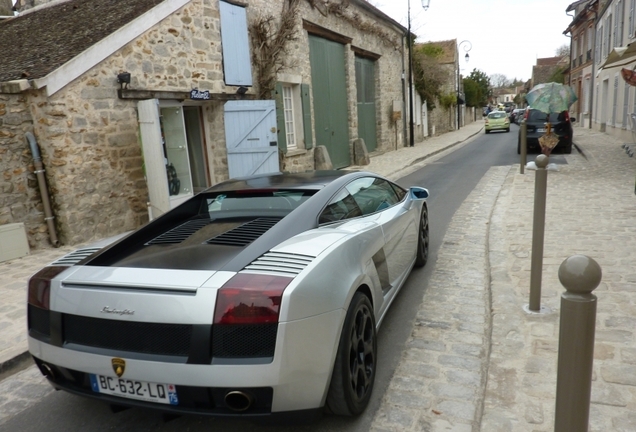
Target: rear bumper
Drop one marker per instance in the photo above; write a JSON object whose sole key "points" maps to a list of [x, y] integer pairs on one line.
{"points": [[294, 383]]}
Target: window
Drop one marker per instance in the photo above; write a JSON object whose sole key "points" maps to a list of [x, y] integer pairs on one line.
{"points": [[632, 3], [288, 107], [362, 197], [619, 12], [293, 114], [599, 43], [608, 37]]}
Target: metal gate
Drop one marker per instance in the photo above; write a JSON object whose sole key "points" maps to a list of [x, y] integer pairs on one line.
{"points": [[250, 135]]}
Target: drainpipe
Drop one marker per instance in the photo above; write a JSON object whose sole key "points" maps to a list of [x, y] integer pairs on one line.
{"points": [[44, 193]]}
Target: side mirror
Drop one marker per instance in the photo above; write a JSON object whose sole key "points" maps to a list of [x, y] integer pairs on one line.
{"points": [[572, 119], [419, 192]]}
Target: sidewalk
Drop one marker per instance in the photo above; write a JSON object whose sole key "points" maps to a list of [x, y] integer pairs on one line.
{"points": [[475, 360]]}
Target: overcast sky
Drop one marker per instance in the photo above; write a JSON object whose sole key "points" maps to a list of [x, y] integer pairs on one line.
{"points": [[507, 36]]}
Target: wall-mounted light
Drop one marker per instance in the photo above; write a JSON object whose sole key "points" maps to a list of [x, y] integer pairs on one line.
{"points": [[241, 90], [123, 79]]}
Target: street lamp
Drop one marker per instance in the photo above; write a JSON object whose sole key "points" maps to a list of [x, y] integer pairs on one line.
{"points": [[467, 45], [425, 5]]}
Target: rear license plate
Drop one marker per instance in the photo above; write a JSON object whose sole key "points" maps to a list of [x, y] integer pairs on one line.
{"points": [[540, 130], [132, 389]]}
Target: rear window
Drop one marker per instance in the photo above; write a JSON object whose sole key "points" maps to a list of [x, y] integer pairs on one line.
{"points": [[250, 200], [496, 115], [536, 115]]}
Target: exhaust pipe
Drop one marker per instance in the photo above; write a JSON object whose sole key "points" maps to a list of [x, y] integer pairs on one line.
{"points": [[47, 371], [238, 401]]}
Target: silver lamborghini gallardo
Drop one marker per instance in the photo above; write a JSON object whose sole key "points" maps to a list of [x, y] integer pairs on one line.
{"points": [[259, 297]]}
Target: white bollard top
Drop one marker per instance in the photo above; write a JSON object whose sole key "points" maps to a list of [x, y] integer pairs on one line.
{"points": [[580, 274], [542, 161]]}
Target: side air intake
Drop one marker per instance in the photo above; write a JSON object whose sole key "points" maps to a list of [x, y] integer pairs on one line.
{"points": [[75, 257], [286, 264]]}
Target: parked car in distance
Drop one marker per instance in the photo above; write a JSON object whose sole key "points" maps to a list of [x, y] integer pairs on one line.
{"points": [[536, 127], [257, 298], [497, 120], [516, 115]]}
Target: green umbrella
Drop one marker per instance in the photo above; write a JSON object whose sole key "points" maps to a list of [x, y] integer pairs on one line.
{"points": [[551, 97]]}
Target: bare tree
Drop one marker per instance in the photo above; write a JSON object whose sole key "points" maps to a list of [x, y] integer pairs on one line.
{"points": [[499, 80], [563, 51]]}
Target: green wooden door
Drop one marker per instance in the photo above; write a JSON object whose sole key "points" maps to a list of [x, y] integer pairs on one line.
{"points": [[365, 83], [330, 98]]}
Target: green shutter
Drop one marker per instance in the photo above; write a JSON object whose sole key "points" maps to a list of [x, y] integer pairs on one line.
{"points": [[307, 129], [280, 117]]}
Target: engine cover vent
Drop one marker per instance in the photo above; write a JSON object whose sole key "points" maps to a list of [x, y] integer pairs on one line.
{"points": [[180, 233], [246, 233]]}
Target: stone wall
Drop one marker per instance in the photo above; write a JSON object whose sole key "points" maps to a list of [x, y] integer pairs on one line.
{"points": [[19, 193], [367, 33], [89, 138]]}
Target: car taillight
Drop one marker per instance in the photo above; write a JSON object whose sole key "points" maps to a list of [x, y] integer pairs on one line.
{"points": [[250, 299], [567, 116], [39, 293]]}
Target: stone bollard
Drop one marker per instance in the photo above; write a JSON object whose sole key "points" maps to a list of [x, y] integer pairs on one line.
{"points": [[523, 145], [538, 229], [580, 275]]}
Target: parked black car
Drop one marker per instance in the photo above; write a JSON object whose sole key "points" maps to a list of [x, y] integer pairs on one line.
{"points": [[516, 115], [536, 127]]}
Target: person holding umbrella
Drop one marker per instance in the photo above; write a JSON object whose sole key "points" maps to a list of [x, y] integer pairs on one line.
{"points": [[550, 98]]}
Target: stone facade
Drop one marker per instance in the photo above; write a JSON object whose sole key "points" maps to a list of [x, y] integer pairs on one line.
{"points": [[89, 137], [19, 193]]}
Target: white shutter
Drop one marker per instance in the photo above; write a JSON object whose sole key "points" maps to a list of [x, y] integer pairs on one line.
{"points": [[236, 50]]}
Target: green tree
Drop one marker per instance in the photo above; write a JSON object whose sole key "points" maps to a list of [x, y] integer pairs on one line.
{"points": [[474, 95], [482, 81]]}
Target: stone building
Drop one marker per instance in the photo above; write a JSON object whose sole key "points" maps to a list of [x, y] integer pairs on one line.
{"points": [[135, 106]]}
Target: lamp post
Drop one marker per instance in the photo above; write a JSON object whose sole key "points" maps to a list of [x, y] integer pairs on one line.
{"points": [[467, 47], [425, 5]]}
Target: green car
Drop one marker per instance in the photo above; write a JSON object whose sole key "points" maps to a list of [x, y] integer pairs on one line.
{"points": [[497, 120]]}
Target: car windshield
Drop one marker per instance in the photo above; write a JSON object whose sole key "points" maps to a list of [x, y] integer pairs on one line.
{"points": [[496, 115], [249, 200], [537, 116]]}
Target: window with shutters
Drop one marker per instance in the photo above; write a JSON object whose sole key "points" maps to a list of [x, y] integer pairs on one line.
{"points": [[290, 124]]}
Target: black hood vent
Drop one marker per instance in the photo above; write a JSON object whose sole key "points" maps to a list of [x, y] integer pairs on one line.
{"points": [[180, 233], [246, 233]]}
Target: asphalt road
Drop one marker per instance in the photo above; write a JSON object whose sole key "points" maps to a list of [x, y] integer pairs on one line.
{"points": [[449, 178]]}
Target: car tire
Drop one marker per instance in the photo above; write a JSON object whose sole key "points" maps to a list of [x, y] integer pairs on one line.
{"points": [[487, 131], [568, 149], [508, 130], [422, 239], [355, 366]]}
